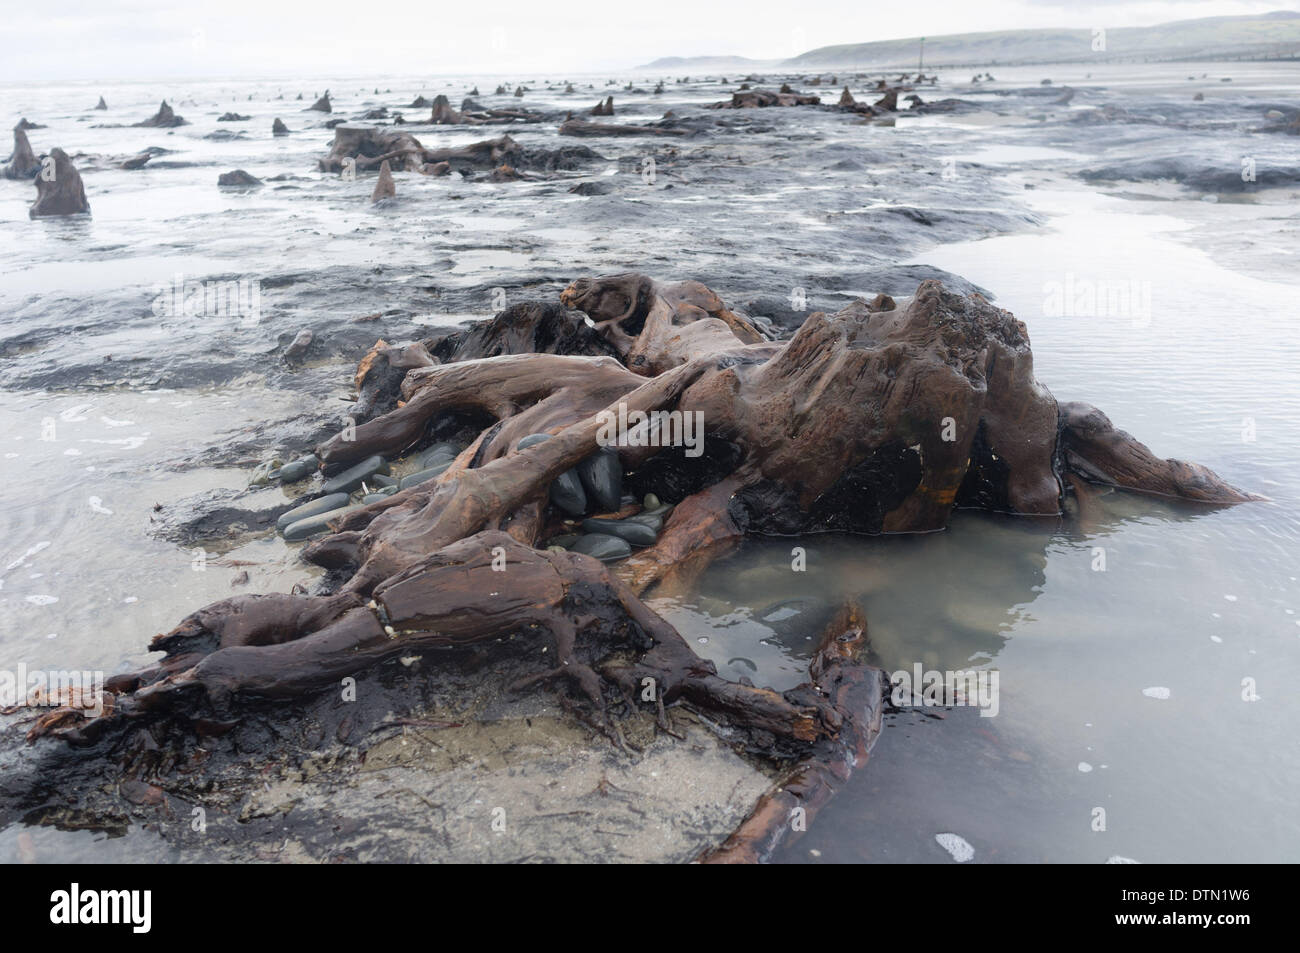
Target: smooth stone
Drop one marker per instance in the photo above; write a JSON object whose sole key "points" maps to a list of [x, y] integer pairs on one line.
{"points": [[298, 346], [424, 475], [638, 534], [602, 547], [564, 541], [383, 479], [602, 478], [322, 505], [351, 478], [653, 520], [299, 469], [437, 454], [313, 525], [379, 494], [566, 492], [651, 502], [659, 512]]}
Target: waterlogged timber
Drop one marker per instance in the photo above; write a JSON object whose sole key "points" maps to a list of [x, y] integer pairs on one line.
{"points": [[792, 442], [955, 418]]}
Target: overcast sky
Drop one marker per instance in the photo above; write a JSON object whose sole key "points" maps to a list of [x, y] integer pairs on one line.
{"points": [[144, 39]]}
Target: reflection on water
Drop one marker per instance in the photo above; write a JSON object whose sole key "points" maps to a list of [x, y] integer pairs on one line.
{"points": [[1201, 775], [947, 600]]}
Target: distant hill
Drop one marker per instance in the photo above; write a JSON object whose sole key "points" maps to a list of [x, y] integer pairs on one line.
{"points": [[1274, 34], [706, 62]]}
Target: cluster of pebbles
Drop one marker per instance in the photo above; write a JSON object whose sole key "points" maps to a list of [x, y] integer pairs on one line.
{"points": [[357, 486], [593, 486], [597, 483]]}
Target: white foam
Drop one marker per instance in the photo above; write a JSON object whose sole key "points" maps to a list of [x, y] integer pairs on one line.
{"points": [[956, 846], [31, 551]]}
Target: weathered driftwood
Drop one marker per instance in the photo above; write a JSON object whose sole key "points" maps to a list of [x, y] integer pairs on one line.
{"points": [[385, 188], [59, 190], [856, 693], [22, 163], [367, 147], [577, 126], [761, 98], [883, 417], [472, 114], [164, 118], [443, 113], [888, 102]]}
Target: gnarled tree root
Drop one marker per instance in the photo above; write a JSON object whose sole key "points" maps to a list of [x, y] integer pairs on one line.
{"points": [[856, 691], [883, 417], [483, 588]]}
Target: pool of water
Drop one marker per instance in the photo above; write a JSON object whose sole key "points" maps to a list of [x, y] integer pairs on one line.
{"points": [[1147, 651]]}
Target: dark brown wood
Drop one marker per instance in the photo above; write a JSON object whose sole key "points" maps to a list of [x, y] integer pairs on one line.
{"points": [[883, 417], [856, 693]]}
